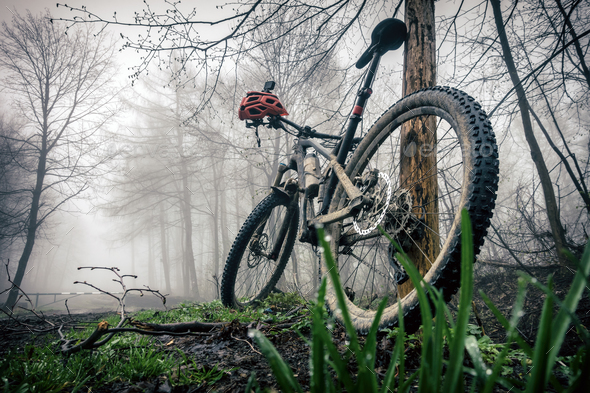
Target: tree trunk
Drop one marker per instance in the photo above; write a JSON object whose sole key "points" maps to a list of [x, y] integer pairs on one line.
{"points": [[189, 257], [133, 255], [183, 264], [215, 223], [577, 45], [151, 263], [420, 72], [251, 187], [295, 269], [164, 247], [49, 71], [32, 225], [550, 201], [225, 240]]}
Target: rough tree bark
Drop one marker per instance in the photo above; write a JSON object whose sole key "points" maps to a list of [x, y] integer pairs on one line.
{"points": [[420, 72]]}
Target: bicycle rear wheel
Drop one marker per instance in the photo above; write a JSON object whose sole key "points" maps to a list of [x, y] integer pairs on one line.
{"points": [[255, 262], [419, 185]]}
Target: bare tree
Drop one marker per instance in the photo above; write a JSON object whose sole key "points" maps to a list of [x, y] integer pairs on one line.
{"points": [[58, 86], [547, 40], [536, 154]]}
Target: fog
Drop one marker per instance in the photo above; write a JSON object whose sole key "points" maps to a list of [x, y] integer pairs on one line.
{"points": [[174, 173]]}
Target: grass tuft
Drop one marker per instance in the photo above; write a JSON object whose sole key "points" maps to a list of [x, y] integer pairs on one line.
{"points": [[440, 373]]}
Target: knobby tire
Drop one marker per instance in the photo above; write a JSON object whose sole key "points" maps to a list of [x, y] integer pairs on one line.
{"points": [[470, 182], [238, 277]]}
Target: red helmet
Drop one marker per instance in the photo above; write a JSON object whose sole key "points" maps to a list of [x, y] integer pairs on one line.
{"points": [[258, 104]]}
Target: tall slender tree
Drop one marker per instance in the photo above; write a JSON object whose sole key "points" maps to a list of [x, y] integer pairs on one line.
{"points": [[536, 153], [56, 82]]}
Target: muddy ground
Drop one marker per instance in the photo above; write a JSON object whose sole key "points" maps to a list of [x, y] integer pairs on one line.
{"points": [[230, 348]]}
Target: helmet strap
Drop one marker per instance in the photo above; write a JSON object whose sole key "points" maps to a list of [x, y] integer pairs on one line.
{"points": [[257, 137]]}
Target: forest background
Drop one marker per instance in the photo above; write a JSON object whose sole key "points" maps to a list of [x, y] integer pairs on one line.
{"points": [[169, 173]]}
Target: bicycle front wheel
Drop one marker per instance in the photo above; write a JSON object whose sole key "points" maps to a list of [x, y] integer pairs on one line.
{"points": [[428, 157], [260, 252]]}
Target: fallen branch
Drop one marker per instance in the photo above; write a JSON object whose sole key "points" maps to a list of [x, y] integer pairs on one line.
{"points": [[179, 327], [104, 333], [103, 330]]}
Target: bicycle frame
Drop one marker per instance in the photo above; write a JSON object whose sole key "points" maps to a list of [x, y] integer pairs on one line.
{"points": [[337, 157]]}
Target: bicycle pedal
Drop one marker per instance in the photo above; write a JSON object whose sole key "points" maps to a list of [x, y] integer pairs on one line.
{"points": [[309, 235], [402, 278]]}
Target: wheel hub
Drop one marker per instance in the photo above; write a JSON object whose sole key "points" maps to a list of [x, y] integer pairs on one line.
{"points": [[257, 251]]}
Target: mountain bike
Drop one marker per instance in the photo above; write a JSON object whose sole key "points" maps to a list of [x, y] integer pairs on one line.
{"points": [[429, 156]]}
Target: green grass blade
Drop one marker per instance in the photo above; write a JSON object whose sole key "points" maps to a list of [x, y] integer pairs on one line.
{"points": [[281, 370], [417, 279], [252, 384], [339, 364], [321, 337], [366, 376], [333, 273], [426, 313], [477, 360], [453, 377], [584, 335], [562, 321], [438, 339], [402, 331], [365, 358], [405, 387], [318, 366], [511, 325], [511, 334], [537, 381], [370, 347], [389, 380]]}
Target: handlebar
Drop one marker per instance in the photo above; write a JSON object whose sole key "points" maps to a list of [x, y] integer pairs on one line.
{"points": [[303, 131]]}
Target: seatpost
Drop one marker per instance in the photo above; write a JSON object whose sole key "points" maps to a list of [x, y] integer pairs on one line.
{"points": [[361, 100]]}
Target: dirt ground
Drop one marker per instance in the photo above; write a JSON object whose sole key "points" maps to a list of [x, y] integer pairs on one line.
{"points": [[230, 348]]}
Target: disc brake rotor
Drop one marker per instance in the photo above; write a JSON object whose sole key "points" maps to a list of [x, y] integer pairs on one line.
{"points": [[257, 250]]}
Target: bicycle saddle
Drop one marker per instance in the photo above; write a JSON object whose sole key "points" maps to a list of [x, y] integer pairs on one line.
{"points": [[388, 35]]}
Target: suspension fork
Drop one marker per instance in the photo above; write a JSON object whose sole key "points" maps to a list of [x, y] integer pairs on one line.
{"points": [[289, 190], [274, 253], [285, 225]]}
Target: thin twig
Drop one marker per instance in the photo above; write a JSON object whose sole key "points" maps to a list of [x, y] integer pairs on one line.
{"points": [[246, 341]]}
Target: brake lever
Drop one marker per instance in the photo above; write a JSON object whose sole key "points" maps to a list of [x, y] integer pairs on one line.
{"points": [[275, 123]]}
